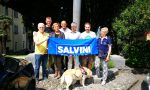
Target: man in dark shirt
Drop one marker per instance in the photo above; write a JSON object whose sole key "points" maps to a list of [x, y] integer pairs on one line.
{"points": [[48, 28]]}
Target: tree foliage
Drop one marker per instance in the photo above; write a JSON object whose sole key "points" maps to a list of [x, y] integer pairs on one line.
{"points": [[129, 26], [5, 22]]}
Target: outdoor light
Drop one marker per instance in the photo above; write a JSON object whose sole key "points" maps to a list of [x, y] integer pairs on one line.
{"points": [[62, 7]]}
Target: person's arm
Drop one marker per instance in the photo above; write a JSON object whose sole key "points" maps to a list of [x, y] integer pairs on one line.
{"points": [[109, 52], [79, 35], [34, 33], [94, 35], [39, 42], [109, 49]]}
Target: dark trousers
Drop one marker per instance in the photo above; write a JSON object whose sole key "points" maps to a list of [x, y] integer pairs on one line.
{"points": [[64, 62]]}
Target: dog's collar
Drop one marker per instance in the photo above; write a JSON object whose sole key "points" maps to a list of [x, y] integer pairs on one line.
{"points": [[83, 71]]}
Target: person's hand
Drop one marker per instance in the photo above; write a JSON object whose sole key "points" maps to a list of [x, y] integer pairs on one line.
{"points": [[107, 59], [46, 38], [34, 33]]}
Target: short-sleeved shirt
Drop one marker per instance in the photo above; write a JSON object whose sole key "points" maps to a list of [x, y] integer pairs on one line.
{"points": [[86, 35], [74, 35], [42, 48], [103, 46], [66, 32]]}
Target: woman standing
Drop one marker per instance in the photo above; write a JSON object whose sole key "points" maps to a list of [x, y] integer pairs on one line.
{"points": [[57, 58], [104, 51]]}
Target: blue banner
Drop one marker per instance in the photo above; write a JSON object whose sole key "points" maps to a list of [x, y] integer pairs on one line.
{"points": [[58, 46]]}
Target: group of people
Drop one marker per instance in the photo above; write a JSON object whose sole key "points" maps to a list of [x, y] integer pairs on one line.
{"points": [[61, 30]]}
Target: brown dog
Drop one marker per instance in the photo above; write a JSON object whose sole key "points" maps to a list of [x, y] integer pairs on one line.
{"points": [[70, 76], [21, 82]]}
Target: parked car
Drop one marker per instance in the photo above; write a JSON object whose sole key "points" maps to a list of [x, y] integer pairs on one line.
{"points": [[16, 74]]}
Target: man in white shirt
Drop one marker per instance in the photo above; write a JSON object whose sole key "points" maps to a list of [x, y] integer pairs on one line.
{"points": [[66, 31], [64, 28], [74, 34], [87, 60]]}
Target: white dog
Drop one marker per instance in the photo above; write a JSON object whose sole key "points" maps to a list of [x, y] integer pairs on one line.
{"points": [[70, 76]]}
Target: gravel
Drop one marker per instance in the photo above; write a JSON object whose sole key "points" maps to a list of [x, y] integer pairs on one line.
{"points": [[123, 81]]}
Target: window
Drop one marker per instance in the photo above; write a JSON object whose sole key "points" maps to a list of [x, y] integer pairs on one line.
{"points": [[6, 11], [15, 46], [24, 30], [23, 44], [15, 14], [15, 29]]}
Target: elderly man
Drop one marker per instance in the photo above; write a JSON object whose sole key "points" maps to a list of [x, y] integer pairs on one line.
{"points": [[66, 31], [74, 34], [40, 40]]}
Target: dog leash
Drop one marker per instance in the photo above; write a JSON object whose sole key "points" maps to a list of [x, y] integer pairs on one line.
{"points": [[82, 69]]}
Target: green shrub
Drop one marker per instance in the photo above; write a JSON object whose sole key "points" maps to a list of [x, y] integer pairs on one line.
{"points": [[111, 64], [139, 56], [129, 26]]}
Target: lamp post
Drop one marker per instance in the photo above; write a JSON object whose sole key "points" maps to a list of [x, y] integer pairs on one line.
{"points": [[77, 12]]}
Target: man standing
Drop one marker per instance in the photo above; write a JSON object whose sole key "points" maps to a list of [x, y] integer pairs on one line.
{"points": [[64, 28], [40, 40], [66, 31], [74, 34], [48, 28], [87, 60]]}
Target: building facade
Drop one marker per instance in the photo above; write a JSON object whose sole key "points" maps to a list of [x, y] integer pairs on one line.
{"points": [[16, 35]]}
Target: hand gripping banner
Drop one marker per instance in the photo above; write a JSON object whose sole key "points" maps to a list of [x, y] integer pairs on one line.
{"points": [[58, 46]]}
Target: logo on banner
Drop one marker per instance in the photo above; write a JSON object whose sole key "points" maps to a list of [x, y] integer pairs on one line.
{"points": [[66, 49]]}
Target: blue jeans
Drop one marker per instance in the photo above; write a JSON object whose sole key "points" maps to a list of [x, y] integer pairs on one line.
{"points": [[41, 59]]}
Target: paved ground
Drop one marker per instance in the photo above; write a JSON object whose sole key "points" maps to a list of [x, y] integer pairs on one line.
{"points": [[119, 82], [119, 61], [137, 86], [30, 57], [111, 85]]}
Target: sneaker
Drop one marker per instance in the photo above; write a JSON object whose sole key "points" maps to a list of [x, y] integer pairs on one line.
{"points": [[103, 82], [45, 80], [37, 81]]}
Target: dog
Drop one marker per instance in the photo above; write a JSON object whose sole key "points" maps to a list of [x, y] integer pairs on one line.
{"points": [[20, 82], [70, 76]]}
